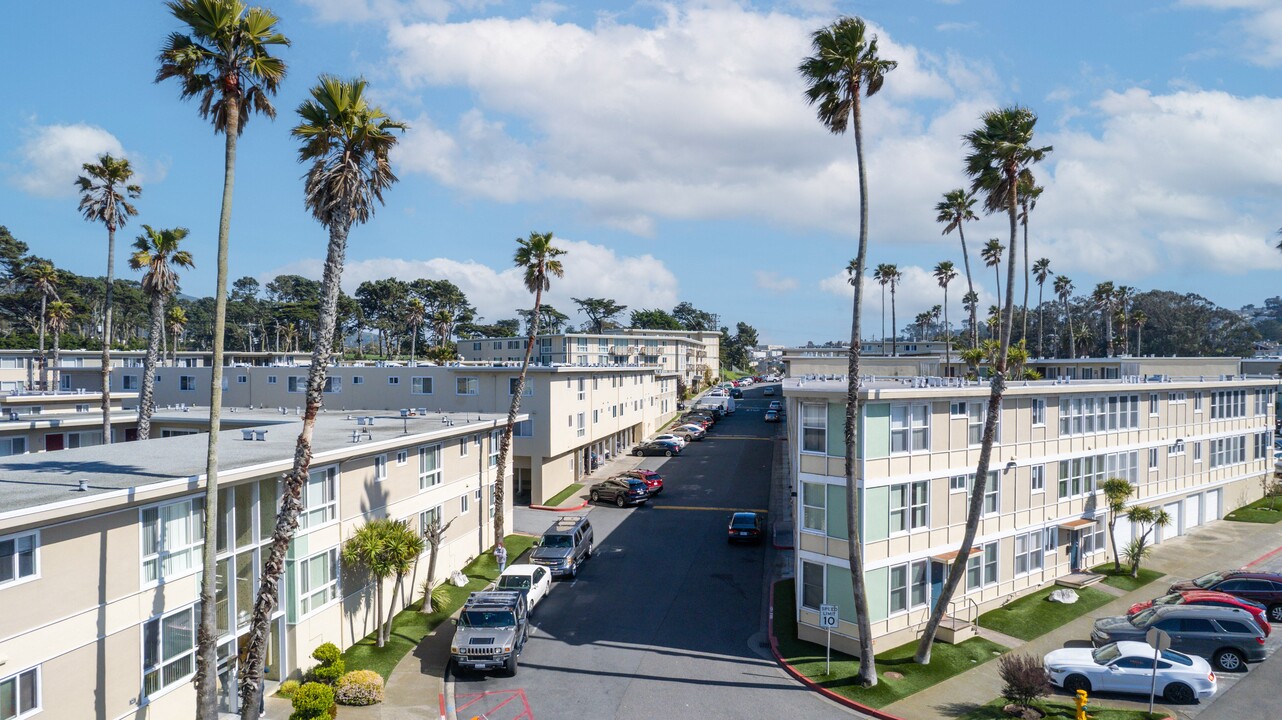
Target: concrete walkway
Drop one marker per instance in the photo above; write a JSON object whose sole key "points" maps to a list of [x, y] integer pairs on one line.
{"points": [[1218, 546]]}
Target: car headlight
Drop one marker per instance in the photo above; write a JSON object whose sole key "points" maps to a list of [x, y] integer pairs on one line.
{"points": [[1054, 669], [454, 649]]}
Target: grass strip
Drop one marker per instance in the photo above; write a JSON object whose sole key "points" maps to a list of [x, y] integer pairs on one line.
{"points": [[1265, 510], [1122, 580], [557, 499], [1063, 711], [1033, 615]]}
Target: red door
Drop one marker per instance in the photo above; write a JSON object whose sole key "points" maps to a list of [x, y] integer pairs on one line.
{"points": [[54, 441]]}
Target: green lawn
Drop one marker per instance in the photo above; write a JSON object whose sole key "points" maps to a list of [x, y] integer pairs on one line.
{"points": [[1258, 511], [410, 626], [1064, 711], [557, 499], [1034, 615], [808, 658], [1122, 580]]}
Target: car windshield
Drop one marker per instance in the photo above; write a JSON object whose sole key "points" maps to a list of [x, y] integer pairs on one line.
{"points": [[746, 521], [1143, 617], [1106, 654], [1180, 658], [1172, 599], [1208, 580], [514, 582], [557, 541], [487, 619]]}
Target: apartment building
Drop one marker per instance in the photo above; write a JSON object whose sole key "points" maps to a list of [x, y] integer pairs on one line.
{"points": [[33, 422], [574, 412], [688, 354], [1196, 447], [20, 369], [800, 362], [100, 552]]}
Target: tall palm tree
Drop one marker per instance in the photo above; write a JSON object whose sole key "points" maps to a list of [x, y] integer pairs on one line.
{"points": [[58, 316], [955, 209], [415, 314], [1121, 303], [1041, 271], [223, 57], [1140, 317], [1064, 291], [845, 66], [43, 278], [895, 276], [1105, 299], [922, 322], [1029, 191], [105, 192], [970, 303], [176, 321], [345, 142], [537, 257], [945, 273], [992, 255], [999, 151], [883, 275], [156, 252]]}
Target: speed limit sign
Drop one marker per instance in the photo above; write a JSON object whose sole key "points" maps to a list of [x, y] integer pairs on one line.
{"points": [[828, 616]]}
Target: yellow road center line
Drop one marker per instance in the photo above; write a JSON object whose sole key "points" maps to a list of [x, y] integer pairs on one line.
{"points": [[709, 509]]}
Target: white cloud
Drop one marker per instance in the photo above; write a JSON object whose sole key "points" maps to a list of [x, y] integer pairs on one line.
{"points": [[1258, 35], [774, 282], [51, 156]]}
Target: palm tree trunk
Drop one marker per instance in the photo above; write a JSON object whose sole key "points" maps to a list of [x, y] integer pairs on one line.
{"points": [[948, 337], [894, 324], [1024, 334], [378, 603], [505, 443], [867, 660], [883, 319], [147, 395], [207, 635], [291, 501], [106, 336], [970, 285], [1139, 340], [996, 390], [44, 361], [414, 345], [433, 541], [57, 351], [1040, 328], [386, 630], [1072, 343]]}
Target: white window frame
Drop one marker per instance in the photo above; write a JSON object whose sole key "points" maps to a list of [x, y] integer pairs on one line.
{"points": [[581, 428], [1029, 552], [916, 577], [380, 468], [37, 703], [463, 444], [186, 383], [326, 511], [421, 385], [975, 423], [957, 484], [822, 569], [527, 390], [1039, 412], [402, 457], [15, 563], [426, 517], [464, 504], [129, 382], [808, 429], [1197, 452], [1153, 459], [429, 478], [189, 553], [307, 594], [992, 490], [393, 380], [1153, 405], [911, 429], [271, 379], [957, 409], [1037, 478], [188, 655], [467, 386], [981, 563], [811, 514], [495, 442], [1197, 402]]}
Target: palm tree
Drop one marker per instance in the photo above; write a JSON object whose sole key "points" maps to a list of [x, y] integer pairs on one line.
{"points": [[105, 192], [223, 56], [955, 209], [1029, 191], [384, 548], [1140, 317], [346, 141], [945, 273], [1105, 299], [537, 257], [1064, 291], [156, 252], [999, 151], [1121, 299], [992, 255], [415, 313], [1117, 492], [43, 278], [1041, 271], [176, 320], [58, 316], [884, 274], [970, 303], [844, 67], [895, 277]]}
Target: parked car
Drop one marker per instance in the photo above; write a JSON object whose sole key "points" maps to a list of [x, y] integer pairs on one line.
{"points": [[1127, 667], [776, 405], [534, 581], [564, 546], [657, 447], [670, 437], [703, 417], [491, 632], [620, 491], [768, 391], [736, 393], [745, 527], [687, 435], [772, 416], [719, 393], [1229, 637], [697, 432], [1262, 587], [1208, 597], [653, 480]]}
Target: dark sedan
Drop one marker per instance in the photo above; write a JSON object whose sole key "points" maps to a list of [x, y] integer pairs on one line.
{"points": [[1261, 587], [653, 480], [746, 527], [657, 447], [620, 491]]}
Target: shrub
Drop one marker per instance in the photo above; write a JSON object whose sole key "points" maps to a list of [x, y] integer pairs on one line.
{"points": [[359, 687], [331, 665], [1024, 677], [311, 701], [287, 688]]}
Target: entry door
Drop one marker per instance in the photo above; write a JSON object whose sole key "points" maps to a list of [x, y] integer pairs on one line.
{"points": [[938, 571], [1075, 550], [55, 441]]}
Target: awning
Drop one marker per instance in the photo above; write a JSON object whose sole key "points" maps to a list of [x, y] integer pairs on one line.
{"points": [[950, 556], [1077, 523]]}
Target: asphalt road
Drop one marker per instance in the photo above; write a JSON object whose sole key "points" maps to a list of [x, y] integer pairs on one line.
{"points": [[667, 620]]}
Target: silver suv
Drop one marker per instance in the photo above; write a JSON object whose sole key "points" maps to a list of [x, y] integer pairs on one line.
{"points": [[491, 631], [564, 546]]}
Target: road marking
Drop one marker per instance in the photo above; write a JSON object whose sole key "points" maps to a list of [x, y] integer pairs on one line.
{"points": [[710, 509]]}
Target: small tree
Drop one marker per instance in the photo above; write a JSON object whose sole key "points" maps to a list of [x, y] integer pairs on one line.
{"points": [[1024, 678], [434, 534], [384, 547], [312, 701], [1146, 518], [330, 665], [1116, 492]]}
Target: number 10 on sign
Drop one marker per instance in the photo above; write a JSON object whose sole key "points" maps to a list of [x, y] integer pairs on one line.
{"points": [[828, 621]]}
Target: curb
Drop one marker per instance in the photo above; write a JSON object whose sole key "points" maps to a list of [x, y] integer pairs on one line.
{"points": [[1264, 557], [567, 508]]}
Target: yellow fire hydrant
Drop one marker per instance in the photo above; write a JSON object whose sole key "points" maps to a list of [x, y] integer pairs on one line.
{"points": [[1081, 705]]}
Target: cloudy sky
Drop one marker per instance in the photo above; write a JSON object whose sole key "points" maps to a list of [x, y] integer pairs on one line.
{"points": [[669, 147]]}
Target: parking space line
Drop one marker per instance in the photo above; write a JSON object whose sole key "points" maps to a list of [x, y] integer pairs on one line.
{"points": [[709, 509]]}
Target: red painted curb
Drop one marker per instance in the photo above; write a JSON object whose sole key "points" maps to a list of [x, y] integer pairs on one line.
{"points": [[1264, 557], [567, 508], [774, 650]]}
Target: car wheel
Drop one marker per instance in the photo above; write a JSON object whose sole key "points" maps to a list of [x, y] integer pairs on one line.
{"points": [[1275, 613], [1179, 693], [588, 554], [510, 666], [574, 570], [638, 453], [618, 500], [667, 453], [595, 496], [1229, 660], [1073, 683]]}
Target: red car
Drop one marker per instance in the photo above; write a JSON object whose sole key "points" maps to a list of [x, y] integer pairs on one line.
{"points": [[1209, 597], [653, 480]]}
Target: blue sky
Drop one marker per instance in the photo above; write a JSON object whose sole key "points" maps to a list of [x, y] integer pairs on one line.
{"points": [[670, 148]]}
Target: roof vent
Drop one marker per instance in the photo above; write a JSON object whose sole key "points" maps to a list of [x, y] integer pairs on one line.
{"points": [[83, 486]]}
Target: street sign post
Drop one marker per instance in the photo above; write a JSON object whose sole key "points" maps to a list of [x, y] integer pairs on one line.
{"points": [[828, 621], [1159, 640]]}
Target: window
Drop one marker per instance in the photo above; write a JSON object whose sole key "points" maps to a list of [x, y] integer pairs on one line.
{"points": [[380, 468], [814, 427], [1050, 539], [1177, 398], [814, 503], [421, 386], [271, 379], [1028, 552], [168, 650], [1197, 452], [1152, 459], [1037, 475], [242, 379], [908, 506], [402, 457], [463, 504], [187, 383], [320, 498], [393, 380], [526, 390], [1228, 451], [172, 536], [812, 585], [1083, 475], [20, 694], [975, 424], [1197, 402], [1084, 415], [582, 387], [466, 386], [909, 585], [957, 483], [957, 409], [1093, 537], [462, 447], [495, 441], [992, 491], [429, 466], [1228, 404], [596, 416], [1262, 445], [128, 382], [909, 428], [296, 384], [427, 517], [1039, 411], [358, 380], [18, 558], [525, 428], [981, 567], [1263, 401], [582, 430], [317, 581], [13, 446]]}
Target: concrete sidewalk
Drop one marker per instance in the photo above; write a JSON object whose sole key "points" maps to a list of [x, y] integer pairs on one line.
{"points": [[1218, 546]]}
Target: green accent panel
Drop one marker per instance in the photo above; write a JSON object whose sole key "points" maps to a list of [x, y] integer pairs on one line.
{"points": [[875, 584], [876, 430], [291, 594], [837, 527], [297, 548], [837, 429], [876, 514], [840, 593]]}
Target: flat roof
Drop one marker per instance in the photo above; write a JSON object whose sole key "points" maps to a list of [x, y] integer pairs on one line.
{"points": [[36, 479], [873, 387]]}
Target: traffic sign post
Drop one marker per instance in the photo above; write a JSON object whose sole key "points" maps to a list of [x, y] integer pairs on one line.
{"points": [[828, 621], [1159, 640]]}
